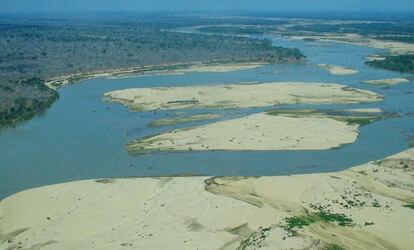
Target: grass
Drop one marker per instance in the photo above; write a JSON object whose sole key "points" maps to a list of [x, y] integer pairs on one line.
{"points": [[333, 247], [344, 116], [409, 205], [302, 221], [361, 121]]}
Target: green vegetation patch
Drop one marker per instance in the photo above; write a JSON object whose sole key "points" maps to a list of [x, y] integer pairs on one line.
{"points": [[409, 205], [21, 100], [325, 216], [349, 117], [400, 63], [333, 247]]}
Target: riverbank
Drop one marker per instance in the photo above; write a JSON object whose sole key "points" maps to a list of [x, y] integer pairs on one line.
{"points": [[238, 96], [368, 206], [164, 69]]}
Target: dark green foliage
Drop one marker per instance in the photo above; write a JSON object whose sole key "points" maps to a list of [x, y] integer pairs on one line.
{"points": [[333, 247], [31, 50], [26, 98], [404, 39], [410, 205], [401, 63], [302, 221]]}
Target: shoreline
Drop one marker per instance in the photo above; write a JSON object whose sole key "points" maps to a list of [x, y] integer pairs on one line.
{"points": [[363, 207], [171, 68]]}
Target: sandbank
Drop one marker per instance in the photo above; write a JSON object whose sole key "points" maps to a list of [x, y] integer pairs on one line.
{"points": [[238, 96], [388, 81], [338, 70], [263, 131], [365, 207]]}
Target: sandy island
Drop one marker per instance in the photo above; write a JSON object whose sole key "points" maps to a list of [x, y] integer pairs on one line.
{"points": [[275, 130], [389, 81], [338, 70], [238, 95], [365, 207]]}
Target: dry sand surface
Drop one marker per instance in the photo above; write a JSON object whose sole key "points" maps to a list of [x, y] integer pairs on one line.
{"points": [[338, 70], [255, 132], [389, 81], [238, 95], [365, 207]]}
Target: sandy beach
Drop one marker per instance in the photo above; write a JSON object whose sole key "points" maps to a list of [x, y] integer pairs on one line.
{"points": [[365, 207], [338, 70], [389, 81], [238, 95]]}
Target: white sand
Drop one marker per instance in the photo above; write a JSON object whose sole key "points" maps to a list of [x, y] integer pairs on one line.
{"points": [[255, 132], [238, 95], [226, 213], [389, 81], [338, 70]]}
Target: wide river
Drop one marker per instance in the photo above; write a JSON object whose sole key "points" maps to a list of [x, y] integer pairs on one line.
{"points": [[82, 137]]}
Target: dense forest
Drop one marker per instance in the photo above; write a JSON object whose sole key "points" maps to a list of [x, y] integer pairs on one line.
{"points": [[401, 63], [43, 49], [21, 100]]}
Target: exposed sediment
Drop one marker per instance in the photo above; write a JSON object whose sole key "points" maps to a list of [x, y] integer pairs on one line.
{"points": [[238, 96], [366, 207]]}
